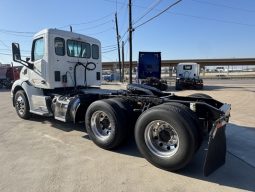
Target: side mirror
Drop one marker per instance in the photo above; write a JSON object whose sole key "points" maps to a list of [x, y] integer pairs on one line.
{"points": [[27, 59], [16, 52]]}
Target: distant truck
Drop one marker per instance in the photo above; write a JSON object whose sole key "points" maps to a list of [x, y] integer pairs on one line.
{"points": [[187, 76], [149, 70], [8, 75]]}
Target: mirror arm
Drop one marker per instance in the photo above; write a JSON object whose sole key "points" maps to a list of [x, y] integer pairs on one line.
{"points": [[26, 64]]}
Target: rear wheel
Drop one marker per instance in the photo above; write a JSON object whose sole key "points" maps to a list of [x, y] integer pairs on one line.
{"points": [[192, 118], [106, 124], [22, 105], [164, 137]]}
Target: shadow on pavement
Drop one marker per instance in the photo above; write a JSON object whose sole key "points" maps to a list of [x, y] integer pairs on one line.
{"points": [[5, 90], [63, 126], [237, 171]]}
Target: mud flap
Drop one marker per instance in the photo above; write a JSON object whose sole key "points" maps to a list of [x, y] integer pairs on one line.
{"points": [[216, 153]]}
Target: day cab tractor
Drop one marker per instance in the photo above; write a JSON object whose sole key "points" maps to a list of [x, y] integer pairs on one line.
{"points": [[62, 80], [187, 76]]}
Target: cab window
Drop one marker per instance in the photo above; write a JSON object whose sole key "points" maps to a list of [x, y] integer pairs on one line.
{"points": [[38, 49], [59, 46], [95, 51], [78, 49], [187, 67]]}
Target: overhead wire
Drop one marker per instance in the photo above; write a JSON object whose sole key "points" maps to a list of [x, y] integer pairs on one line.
{"points": [[109, 50], [224, 6], [109, 46], [160, 13], [212, 19], [152, 6], [95, 26], [100, 32], [21, 32], [88, 22], [3, 43]]}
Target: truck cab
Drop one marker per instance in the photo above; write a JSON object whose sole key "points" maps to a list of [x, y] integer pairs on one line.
{"points": [[54, 56], [187, 76], [60, 61]]}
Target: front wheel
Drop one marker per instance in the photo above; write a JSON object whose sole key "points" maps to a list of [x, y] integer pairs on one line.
{"points": [[22, 105], [164, 137]]}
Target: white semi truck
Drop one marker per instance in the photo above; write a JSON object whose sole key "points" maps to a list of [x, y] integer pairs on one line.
{"points": [[187, 76], [62, 80]]}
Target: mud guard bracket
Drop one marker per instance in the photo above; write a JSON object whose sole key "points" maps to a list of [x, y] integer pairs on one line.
{"points": [[216, 154], [217, 144]]}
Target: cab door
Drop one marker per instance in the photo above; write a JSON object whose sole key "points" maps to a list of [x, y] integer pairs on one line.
{"points": [[38, 74]]}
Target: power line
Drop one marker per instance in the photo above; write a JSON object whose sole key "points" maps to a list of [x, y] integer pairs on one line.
{"points": [[95, 26], [107, 57], [108, 29], [90, 21], [122, 37], [203, 18], [109, 50], [16, 34], [212, 19], [149, 10], [9, 54], [166, 9], [9, 50], [222, 5], [5, 54], [113, 45], [114, 1], [10, 31], [4, 44]]}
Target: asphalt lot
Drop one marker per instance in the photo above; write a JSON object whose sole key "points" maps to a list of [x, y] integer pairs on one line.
{"points": [[43, 154]]}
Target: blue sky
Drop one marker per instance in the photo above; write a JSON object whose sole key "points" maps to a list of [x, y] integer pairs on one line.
{"points": [[191, 29]]}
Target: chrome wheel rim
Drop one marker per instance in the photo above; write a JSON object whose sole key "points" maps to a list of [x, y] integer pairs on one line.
{"points": [[161, 138], [102, 125], [20, 105]]}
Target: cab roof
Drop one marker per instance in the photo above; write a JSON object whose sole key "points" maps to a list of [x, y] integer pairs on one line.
{"points": [[68, 34]]}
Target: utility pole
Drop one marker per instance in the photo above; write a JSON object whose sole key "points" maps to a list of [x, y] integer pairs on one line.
{"points": [[130, 41], [118, 42], [123, 62]]}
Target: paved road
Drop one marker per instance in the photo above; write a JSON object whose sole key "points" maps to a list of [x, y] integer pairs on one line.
{"points": [[46, 155]]}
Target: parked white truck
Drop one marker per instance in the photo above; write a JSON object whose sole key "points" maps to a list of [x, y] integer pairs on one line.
{"points": [[62, 80], [187, 76]]}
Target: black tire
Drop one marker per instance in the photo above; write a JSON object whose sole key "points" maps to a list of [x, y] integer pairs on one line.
{"points": [[21, 105], [200, 95], [114, 119], [192, 118], [130, 115], [178, 87], [175, 117], [163, 87]]}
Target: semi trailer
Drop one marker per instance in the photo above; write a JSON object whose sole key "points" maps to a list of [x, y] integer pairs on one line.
{"points": [[62, 80]]}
